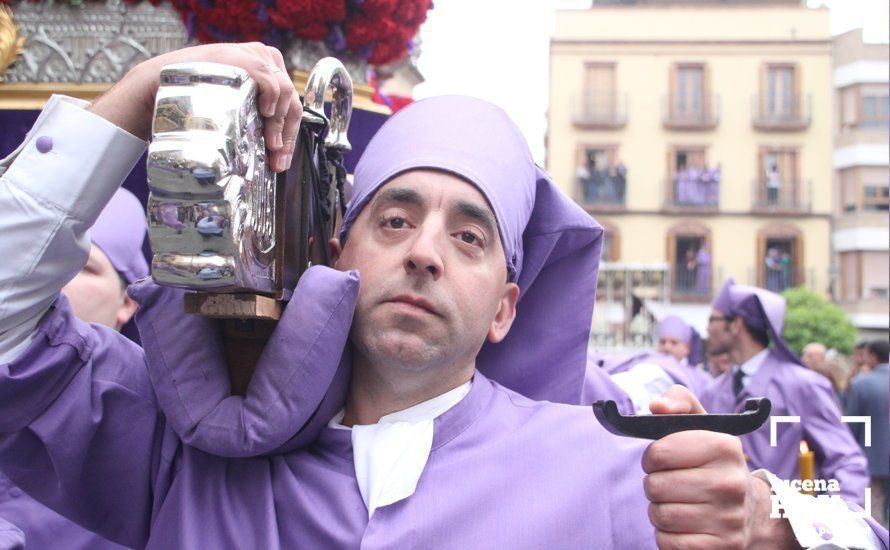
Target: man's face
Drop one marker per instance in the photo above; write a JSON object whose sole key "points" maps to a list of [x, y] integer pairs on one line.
{"points": [[671, 346], [719, 363], [433, 273], [97, 294], [858, 359], [720, 336]]}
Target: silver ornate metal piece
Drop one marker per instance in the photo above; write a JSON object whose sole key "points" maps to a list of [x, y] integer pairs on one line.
{"points": [[211, 210], [219, 218]]}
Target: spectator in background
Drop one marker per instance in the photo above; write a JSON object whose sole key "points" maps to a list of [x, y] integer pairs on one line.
{"points": [[813, 356], [868, 396], [683, 342], [860, 351], [718, 362], [98, 295], [773, 183]]}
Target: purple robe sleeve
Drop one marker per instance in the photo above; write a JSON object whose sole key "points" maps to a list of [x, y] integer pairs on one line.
{"points": [[838, 455], [11, 537], [599, 386], [80, 430], [299, 383]]}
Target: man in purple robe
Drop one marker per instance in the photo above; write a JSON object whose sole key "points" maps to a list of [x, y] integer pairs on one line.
{"points": [[424, 430], [745, 320], [97, 294], [682, 342]]}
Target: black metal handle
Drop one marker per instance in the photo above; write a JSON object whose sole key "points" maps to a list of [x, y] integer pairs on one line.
{"points": [[656, 426]]}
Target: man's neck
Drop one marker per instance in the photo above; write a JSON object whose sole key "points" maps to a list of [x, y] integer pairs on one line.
{"points": [[745, 351], [376, 391]]}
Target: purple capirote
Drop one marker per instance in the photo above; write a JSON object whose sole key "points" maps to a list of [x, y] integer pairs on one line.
{"points": [[551, 245], [119, 232], [760, 309], [672, 326]]}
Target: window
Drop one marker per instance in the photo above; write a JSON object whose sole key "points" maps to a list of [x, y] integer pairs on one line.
{"points": [[601, 176], [690, 258], [780, 257], [688, 94], [599, 102], [876, 197], [875, 111], [864, 275], [865, 188], [691, 183], [779, 185], [780, 94]]}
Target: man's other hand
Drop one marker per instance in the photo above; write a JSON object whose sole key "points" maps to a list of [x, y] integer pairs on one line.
{"points": [[130, 103], [699, 489]]}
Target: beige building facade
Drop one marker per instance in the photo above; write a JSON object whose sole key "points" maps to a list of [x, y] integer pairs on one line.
{"points": [[862, 172], [700, 135]]}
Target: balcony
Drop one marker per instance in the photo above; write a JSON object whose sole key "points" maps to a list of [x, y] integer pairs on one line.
{"points": [[691, 282], [779, 273], [693, 190], [781, 114], [786, 197], [603, 189], [600, 111], [696, 114]]}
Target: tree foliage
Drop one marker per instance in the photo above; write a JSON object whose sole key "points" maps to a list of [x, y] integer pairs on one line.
{"points": [[812, 318]]}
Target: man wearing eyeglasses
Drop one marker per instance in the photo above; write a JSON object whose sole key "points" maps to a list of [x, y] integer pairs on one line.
{"points": [[746, 322]]}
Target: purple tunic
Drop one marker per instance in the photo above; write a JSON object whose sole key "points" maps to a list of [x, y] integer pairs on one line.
{"points": [[11, 537], [80, 424], [599, 386], [795, 391], [41, 527], [694, 379]]}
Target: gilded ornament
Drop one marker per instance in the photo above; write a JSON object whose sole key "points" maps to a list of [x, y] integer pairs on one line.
{"points": [[11, 44]]}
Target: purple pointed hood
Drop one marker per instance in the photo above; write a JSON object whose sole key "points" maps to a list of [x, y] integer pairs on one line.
{"points": [[551, 245], [119, 232], [673, 326], [760, 309]]}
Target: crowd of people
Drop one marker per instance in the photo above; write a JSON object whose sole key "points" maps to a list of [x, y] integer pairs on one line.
{"points": [[744, 356], [428, 389]]}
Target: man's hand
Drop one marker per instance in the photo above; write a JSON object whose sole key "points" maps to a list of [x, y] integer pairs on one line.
{"points": [[700, 492], [130, 103]]}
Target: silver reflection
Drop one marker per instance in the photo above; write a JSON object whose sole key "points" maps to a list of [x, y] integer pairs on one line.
{"points": [[211, 208]]}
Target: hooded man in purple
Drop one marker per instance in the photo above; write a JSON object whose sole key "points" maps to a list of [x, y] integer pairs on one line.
{"points": [[745, 320], [423, 431], [98, 295], [682, 341]]}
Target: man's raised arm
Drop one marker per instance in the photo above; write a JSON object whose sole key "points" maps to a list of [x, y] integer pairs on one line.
{"points": [[80, 428]]}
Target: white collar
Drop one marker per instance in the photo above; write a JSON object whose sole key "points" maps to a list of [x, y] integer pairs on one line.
{"points": [[426, 410], [752, 365], [389, 456]]}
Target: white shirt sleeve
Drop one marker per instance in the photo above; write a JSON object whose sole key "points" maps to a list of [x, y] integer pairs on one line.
{"points": [[49, 198], [824, 522]]}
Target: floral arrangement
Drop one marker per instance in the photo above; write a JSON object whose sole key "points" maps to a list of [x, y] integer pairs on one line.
{"points": [[378, 31]]}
